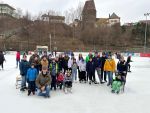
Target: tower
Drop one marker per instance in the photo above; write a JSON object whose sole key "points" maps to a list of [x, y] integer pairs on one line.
{"points": [[89, 14]]}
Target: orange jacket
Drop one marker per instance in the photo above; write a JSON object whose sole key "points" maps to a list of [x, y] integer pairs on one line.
{"points": [[44, 63], [110, 65]]}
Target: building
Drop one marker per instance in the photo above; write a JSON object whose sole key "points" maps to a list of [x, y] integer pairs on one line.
{"points": [[111, 20], [89, 14], [114, 19], [144, 21], [102, 22], [6, 10], [53, 19]]}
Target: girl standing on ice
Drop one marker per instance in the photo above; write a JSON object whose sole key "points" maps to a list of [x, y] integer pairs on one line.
{"points": [[78, 63], [110, 67], [74, 70], [82, 68]]}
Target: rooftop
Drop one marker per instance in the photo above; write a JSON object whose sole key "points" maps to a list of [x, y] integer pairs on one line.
{"points": [[7, 6], [114, 16]]}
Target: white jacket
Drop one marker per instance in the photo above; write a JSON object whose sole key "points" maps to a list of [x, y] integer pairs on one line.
{"points": [[78, 62], [82, 66], [70, 62]]}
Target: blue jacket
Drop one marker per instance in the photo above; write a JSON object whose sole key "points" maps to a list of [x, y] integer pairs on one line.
{"points": [[32, 74], [24, 66]]}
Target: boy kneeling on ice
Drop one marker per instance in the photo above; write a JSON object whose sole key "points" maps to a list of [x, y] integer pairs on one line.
{"points": [[43, 82]]}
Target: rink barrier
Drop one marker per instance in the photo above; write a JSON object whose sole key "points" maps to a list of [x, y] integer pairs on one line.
{"points": [[86, 53], [144, 54]]}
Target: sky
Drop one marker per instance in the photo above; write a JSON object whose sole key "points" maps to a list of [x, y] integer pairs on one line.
{"points": [[128, 10]]}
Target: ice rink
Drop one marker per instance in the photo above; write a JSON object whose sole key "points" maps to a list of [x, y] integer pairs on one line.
{"points": [[84, 99]]}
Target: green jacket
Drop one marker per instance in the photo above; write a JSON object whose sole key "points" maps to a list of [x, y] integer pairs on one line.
{"points": [[88, 58], [54, 70]]}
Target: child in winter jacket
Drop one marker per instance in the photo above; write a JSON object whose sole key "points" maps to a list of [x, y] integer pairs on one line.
{"points": [[31, 78], [60, 80], [68, 82]]}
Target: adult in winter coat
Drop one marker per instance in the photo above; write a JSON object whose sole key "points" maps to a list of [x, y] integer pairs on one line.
{"points": [[31, 78], [110, 67], [103, 73], [88, 57], [36, 60], [60, 62], [44, 62], [128, 63], [122, 68], [54, 71], [90, 68], [17, 58], [97, 65], [65, 63], [24, 66], [70, 62], [43, 82], [2, 59]]}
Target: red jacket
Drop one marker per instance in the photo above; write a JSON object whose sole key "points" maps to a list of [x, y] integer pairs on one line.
{"points": [[18, 56], [60, 78]]}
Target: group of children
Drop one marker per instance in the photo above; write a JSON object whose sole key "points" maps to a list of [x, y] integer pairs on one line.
{"points": [[62, 71]]}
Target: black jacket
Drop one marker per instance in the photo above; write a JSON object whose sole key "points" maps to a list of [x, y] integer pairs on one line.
{"points": [[121, 66], [24, 66], [103, 59], [96, 61], [90, 68], [2, 58]]}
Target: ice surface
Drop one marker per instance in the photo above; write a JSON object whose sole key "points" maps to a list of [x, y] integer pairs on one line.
{"points": [[84, 99]]}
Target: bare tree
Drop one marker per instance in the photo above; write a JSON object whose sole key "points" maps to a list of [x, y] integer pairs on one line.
{"points": [[72, 13], [19, 13]]}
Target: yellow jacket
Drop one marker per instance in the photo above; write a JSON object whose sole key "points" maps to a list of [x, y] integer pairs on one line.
{"points": [[110, 65]]}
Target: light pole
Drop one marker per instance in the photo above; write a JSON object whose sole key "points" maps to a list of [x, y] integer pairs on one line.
{"points": [[50, 42], [75, 24], [146, 14]]}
